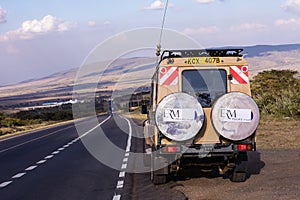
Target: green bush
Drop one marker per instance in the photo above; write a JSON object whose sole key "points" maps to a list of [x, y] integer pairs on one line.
{"points": [[11, 122], [277, 93]]}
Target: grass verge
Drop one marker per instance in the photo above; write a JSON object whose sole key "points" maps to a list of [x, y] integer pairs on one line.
{"points": [[278, 134]]}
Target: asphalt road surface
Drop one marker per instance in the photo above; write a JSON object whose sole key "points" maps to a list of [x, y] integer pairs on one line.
{"points": [[55, 164]]}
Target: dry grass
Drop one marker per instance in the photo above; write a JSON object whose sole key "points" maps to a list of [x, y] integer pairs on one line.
{"points": [[13, 131], [283, 134]]}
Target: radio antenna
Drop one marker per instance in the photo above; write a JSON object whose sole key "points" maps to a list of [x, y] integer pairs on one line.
{"points": [[158, 47]]}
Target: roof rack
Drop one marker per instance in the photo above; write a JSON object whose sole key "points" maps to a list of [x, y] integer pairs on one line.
{"points": [[202, 53]]}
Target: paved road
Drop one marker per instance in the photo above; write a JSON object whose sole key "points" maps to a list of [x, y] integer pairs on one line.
{"points": [[54, 164]]}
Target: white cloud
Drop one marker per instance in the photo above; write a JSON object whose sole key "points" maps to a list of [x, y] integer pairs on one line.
{"points": [[107, 22], [205, 1], [91, 23], [292, 6], [191, 31], [2, 15], [248, 26], [292, 21], [34, 27], [156, 5]]}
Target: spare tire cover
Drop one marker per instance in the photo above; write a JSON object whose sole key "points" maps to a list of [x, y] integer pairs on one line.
{"points": [[235, 116], [179, 116]]}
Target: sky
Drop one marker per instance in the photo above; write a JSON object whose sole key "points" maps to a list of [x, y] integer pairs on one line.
{"points": [[38, 38]]}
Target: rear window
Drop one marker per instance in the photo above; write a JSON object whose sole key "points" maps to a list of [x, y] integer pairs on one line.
{"points": [[205, 84]]}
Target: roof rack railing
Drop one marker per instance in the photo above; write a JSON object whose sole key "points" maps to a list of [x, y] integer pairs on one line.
{"points": [[202, 53]]}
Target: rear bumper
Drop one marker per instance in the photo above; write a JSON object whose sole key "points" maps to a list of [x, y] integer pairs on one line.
{"points": [[204, 150]]}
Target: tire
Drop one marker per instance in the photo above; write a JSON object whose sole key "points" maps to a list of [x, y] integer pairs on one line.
{"points": [[238, 176]]}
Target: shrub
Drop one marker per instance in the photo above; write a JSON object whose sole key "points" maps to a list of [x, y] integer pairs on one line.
{"points": [[277, 93]]}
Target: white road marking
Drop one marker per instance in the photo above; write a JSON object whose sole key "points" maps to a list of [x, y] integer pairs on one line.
{"points": [[48, 157], [41, 161], [55, 152], [124, 166], [95, 127], [4, 184], [120, 184], [122, 174], [30, 168], [34, 139], [19, 175], [117, 197]]}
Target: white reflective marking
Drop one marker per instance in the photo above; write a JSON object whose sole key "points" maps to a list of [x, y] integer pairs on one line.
{"points": [[120, 184], [167, 75], [41, 161], [56, 152], [124, 166], [240, 73], [117, 197], [95, 127], [122, 174], [19, 175], [127, 154], [125, 159], [234, 81], [129, 135], [4, 184], [61, 149], [65, 146], [30, 168], [50, 156]]}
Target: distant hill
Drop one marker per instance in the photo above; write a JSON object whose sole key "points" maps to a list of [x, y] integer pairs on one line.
{"points": [[133, 73], [261, 50]]}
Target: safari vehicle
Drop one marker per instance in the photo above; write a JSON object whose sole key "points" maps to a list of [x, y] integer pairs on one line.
{"points": [[201, 114]]}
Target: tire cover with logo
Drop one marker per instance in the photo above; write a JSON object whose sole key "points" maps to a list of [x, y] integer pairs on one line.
{"points": [[235, 116], [179, 116]]}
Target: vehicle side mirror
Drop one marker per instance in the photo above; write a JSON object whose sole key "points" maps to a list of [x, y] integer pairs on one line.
{"points": [[144, 109]]}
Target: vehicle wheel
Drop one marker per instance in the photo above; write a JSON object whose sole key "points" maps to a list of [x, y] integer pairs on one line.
{"points": [[238, 176]]}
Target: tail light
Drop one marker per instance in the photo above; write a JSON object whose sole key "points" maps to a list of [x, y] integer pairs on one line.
{"points": [[170, 149], [244, 147]]}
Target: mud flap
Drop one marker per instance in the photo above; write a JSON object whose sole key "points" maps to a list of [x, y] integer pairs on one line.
{"points": [[159, 170], [241, 171]]}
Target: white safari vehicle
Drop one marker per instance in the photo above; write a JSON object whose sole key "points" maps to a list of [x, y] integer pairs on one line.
{"points": [[200, 114]]}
